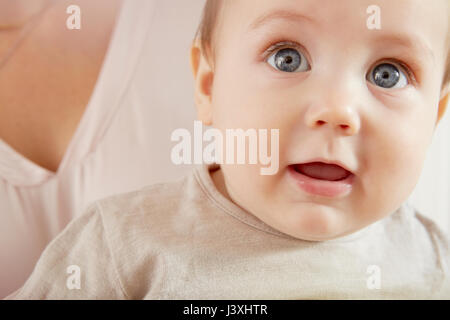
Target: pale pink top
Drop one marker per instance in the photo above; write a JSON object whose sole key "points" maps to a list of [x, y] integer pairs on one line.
{"points": [[122, 143]]}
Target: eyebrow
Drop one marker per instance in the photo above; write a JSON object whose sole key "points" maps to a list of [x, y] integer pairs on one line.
{"points": [[280, 15], [413, 43]]}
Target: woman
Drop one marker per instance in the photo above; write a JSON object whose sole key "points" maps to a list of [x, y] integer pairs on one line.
{"points": [[84, 113]]}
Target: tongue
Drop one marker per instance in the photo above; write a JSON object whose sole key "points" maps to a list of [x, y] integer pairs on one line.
{"points": [[323, 171]]}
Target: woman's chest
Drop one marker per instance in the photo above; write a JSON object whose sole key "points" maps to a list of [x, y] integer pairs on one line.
{"points": [[41, 109]]}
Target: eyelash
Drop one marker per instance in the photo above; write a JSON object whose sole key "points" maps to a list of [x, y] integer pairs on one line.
{"points": [[278, 46], [290, 44]]}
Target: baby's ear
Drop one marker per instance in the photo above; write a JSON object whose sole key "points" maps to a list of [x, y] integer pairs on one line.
{"points": [[445, 90], [203, 78], [443, 101]]}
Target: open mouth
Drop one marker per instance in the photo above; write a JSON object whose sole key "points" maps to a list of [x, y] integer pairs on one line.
{"points": [[322, 179], [322, 171]]}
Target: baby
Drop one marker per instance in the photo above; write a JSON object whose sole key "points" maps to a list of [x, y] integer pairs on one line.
{"points": [[356, 89]]}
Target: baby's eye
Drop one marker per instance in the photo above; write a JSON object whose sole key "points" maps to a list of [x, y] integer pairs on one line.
{"points": [[387, 75], [289, 60]]}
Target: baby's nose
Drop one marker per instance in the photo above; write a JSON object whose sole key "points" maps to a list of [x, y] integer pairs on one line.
{"points": [[342, 119]]}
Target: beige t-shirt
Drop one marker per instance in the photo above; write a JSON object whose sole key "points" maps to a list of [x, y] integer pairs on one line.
{"points": [[184, 240]]}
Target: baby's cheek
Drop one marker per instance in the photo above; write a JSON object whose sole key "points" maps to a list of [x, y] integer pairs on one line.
{"points": [[245, 180], [394, 167]]}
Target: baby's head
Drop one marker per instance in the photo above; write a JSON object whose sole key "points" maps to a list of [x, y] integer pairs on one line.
{"points": [[341, 86]]}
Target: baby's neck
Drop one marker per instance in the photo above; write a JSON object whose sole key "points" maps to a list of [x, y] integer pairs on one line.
{"points": [[219, 181]]}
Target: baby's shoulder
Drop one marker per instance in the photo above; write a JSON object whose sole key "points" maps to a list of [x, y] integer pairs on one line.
{"points": [[148, 204], [149, 200], [439, 243], [421, 230], [420, 222], [149, 214]]}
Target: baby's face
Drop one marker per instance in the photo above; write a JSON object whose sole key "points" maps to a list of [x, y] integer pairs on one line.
{"points": [[337, 91]]}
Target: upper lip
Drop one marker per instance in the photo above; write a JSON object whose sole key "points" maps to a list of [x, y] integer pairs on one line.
{"points": [[328, 161]]}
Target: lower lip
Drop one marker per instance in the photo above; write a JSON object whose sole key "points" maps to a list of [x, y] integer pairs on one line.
{"points": [[324, 188]]}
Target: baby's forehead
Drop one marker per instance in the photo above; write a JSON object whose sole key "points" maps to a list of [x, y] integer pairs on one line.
{"points": [[410, 12], [413, 19]]}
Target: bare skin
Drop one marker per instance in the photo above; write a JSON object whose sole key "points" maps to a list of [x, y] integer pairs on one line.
{"points": [[47, 84]]}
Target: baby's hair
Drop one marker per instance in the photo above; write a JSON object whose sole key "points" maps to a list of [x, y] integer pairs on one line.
{"points": [[446, 79], [207, 28], [210, 19]]}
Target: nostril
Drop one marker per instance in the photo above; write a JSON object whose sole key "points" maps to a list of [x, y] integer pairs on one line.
{"points": [[342, 126]]}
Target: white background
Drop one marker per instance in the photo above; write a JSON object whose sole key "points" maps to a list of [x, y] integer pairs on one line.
{"points": [[432, 194]]}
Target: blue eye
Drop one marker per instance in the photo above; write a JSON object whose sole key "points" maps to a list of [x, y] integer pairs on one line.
{"points": [[288, 60], [387, 75]]}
